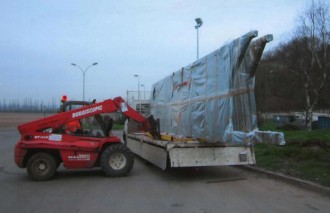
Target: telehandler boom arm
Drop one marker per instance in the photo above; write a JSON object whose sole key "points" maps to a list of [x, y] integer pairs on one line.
{"points": [[56, 121]]}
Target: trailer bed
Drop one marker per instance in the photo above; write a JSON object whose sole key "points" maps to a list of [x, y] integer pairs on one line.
{"points": [[189, 154]]}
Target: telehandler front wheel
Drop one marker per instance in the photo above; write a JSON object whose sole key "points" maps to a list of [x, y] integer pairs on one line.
{"points": [[41, 166], [117, 160]]}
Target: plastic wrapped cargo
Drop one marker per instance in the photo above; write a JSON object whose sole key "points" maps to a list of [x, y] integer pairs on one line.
{"points": [[213, 98]]}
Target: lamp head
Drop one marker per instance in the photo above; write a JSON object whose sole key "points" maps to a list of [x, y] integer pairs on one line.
{"points": [[199, 23]]}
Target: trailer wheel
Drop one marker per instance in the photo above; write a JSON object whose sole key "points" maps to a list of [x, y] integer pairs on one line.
{"points": [[117, 160], [41, 166]]}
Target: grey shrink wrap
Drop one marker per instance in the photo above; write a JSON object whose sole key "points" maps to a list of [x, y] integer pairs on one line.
{"points": [[213, 98]]}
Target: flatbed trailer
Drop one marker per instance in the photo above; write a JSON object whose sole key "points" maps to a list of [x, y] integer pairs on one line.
{"points": [[165, 154]]}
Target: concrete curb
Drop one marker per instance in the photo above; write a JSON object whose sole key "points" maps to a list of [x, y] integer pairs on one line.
{"points": [[291, 180]]}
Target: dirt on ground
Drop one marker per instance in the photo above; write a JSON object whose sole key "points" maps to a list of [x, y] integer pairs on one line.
{"points": [[14, 119]]}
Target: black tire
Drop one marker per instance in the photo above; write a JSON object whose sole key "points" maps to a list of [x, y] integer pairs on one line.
{"points": [[117, 160], [41, 166]]}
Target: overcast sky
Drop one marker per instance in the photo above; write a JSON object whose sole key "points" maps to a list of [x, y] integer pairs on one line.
{"points": [[40, 39]]}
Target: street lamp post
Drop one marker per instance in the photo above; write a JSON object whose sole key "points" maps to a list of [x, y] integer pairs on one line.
{"points": [[199, 24], [144, 91], [138, 92], [84, 73]]}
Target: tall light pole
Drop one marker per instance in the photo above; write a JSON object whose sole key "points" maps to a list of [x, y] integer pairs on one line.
{"points": [[199, 24], [84, 73], [137, 76], [144, 91]]}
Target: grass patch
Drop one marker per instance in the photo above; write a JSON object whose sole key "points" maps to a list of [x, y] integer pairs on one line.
{"points": [[309, 163], [268, 125], [306, 155], [303, 137], [117, 126]]}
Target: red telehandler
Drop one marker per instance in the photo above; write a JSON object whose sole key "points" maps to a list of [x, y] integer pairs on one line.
{"points": [[48, 142]]}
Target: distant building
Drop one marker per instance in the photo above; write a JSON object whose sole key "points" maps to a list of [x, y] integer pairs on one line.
{"points": [[141, 105]]}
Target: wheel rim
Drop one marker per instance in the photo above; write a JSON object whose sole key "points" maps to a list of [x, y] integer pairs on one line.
{"points": [[117, 161], [41, 167]]}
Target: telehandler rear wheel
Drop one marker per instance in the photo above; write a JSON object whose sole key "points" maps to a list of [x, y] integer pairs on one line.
{"points": [[117, 160], [41, 166]]}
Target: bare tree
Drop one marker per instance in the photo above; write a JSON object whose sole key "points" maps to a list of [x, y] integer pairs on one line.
{"points": [[307, 55]]}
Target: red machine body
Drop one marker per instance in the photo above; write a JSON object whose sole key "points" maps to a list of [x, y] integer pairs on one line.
{"points": [[48, 138]]}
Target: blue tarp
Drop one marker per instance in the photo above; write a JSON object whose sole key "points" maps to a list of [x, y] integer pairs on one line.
{"points": [[212, 98]]}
